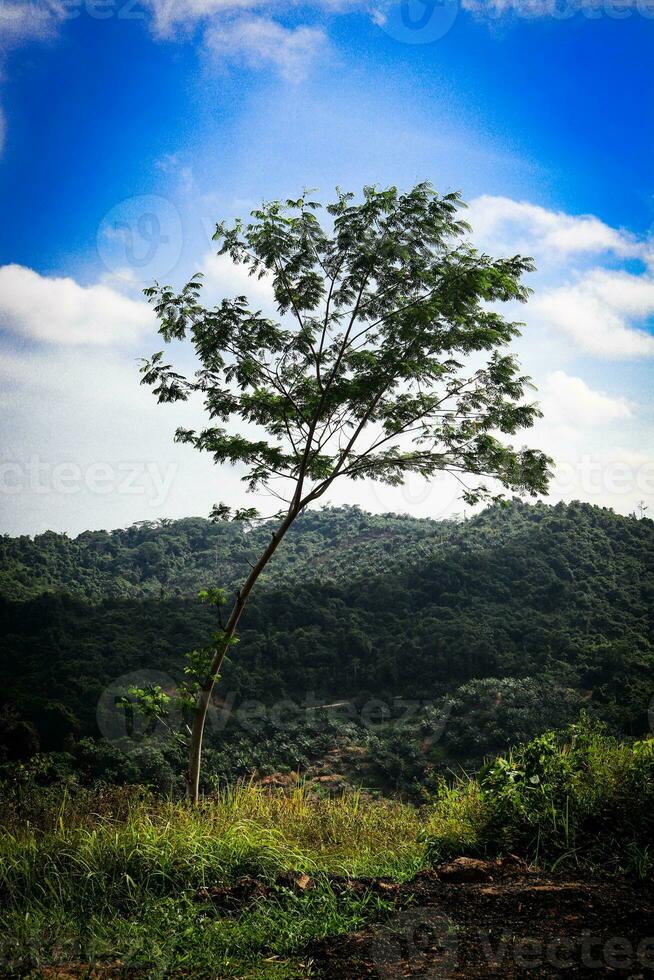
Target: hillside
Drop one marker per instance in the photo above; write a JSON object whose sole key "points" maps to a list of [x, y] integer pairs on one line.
{"points": [[504, 624], [177, 558]]}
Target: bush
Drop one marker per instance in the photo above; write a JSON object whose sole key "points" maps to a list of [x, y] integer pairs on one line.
{"points": [[579, 797]]}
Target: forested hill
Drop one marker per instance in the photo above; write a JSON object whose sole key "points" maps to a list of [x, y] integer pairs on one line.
{"points": [[544, 600], [563, 543], [177, 558]]}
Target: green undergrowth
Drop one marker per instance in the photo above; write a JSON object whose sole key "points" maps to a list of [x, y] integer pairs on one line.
{"points": [[579, 798], [117, 880], [110, 876]]}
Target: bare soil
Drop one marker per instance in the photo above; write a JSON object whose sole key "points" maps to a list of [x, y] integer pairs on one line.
{"points": [[509, 923], [466, 920]]}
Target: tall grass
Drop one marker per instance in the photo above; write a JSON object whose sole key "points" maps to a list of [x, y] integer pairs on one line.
{"points": [[83, 881], [113, 874], [158, 848]]}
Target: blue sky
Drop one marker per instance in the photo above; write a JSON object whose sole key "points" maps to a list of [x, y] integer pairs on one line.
{"points": [[160, 117]]}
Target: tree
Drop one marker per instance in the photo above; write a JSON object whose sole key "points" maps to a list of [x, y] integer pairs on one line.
{"points": [[363, 375]]}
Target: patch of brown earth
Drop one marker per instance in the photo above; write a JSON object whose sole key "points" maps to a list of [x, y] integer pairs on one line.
{"points": [[341, 768], [474, 919], [466, 920]]}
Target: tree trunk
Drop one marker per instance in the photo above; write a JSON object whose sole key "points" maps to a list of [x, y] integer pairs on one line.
{"points": [[204, 697]]}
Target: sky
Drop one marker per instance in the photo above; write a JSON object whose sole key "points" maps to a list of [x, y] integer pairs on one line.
{"points": [[128, 128]]}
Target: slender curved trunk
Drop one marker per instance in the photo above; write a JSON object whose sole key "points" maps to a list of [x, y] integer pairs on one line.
{"points": [[204, 697]]}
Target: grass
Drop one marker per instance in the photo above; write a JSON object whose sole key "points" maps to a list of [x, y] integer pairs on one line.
{"points": [[117, 879], [174, 936], [112, 875]]}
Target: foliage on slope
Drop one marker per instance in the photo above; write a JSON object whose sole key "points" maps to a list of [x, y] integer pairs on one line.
{"points": [[504, 625]]}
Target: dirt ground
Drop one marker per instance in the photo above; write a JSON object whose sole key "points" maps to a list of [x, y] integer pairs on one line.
{"points": [[507, 924], [466, 921]]}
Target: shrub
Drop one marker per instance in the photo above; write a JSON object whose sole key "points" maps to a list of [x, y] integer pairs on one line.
{"points": [[580, 796]]}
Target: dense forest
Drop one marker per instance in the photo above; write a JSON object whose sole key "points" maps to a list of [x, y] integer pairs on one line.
{"points": [[490, 629]]}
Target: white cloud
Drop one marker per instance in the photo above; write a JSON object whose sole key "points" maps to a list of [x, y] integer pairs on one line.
{"points": [[85, 445], [223, 278], [260, 42], [499, 8], [598, 313], [21, 22], [170, 14], [60, 311], [503, 225], [244, 31], [596, 440], [581, 303], [172, 165], [569, 400], [603, 311]]}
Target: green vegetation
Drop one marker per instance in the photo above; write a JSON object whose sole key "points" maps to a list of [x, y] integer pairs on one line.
{"points": [[114, 874], [494, 629], [579, 797]]}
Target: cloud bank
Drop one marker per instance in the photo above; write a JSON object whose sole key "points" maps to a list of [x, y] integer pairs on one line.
{"points": [[598, 309], [505, 224], [60, 311]]}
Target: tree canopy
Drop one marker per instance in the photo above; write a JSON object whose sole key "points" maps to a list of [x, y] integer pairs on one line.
{"points": [[388, 356], [499, 613]]}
